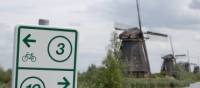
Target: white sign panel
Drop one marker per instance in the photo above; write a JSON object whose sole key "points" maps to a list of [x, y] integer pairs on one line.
{"points": [[45, 57]]}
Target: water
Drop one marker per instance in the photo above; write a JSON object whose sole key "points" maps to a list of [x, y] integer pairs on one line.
{"points": [[195, 85]]}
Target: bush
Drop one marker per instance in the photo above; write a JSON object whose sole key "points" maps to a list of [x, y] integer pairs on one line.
{"points": [[5, 76], [91, 78]]}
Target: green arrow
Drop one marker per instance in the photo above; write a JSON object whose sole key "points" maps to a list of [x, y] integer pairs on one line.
{"points": [[65, 83], [27, 39]]}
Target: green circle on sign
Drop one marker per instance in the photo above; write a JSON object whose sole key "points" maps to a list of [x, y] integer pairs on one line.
{"points": [[61, 47], [32, 77]]}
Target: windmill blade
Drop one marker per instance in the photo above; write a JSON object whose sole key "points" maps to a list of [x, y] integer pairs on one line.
{"points": [[183, 62], [122, 27], [193, 64], [156, 34], [180, 55], [119, 29]]}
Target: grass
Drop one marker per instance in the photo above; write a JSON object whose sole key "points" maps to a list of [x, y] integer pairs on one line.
{"points": [[1, 85], [155, 83]]}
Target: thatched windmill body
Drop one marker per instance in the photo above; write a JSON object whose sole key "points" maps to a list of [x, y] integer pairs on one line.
{"points": [[168, 64], [134, 53]]}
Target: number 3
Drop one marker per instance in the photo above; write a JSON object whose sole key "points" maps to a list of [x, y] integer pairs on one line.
{"points": [[61, 48]]}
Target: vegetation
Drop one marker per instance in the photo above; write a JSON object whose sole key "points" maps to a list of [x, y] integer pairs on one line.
{"points": [[181, 74], [110, 75], [156, 83], [5, 78], [107, 76]]}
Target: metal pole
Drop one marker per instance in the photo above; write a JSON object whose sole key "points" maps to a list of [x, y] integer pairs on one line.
{"points": [[43, 22]]}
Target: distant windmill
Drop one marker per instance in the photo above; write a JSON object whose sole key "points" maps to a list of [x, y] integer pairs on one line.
{"points": [[169, 59], [168, 64], [187, 65], [196, 67]]}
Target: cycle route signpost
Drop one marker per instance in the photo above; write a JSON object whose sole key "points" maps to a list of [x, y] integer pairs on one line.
{"points": [[45, 57]]}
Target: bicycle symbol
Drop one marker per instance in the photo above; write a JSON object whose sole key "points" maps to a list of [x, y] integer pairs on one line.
{"points": [[28, 56]]}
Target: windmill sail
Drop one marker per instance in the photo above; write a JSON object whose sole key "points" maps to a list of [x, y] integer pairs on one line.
{"points": [[155, 36]]}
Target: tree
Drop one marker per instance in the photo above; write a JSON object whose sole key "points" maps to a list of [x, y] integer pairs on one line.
{"points": [[1, 74], [114, 47], [7, 76], [107, 76], [112, 74]]}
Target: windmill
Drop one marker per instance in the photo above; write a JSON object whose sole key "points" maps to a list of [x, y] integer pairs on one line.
{"points": [[168, 64], [133, 48], [196, 66], [134, 53], [168, 60], [196, 69], [187, 65]]}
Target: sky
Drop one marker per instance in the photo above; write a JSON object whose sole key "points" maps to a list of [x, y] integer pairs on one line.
{"points": [[95, 20]]}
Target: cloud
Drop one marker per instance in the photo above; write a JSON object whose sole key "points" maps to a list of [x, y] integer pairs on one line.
{"points": [[6, 46], [195, 4], [183, 40], [154, 13], [86, 59], [94, 32], [94, 20]]}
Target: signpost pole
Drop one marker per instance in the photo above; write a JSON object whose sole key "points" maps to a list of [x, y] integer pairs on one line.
{"points": [[43, 22]]}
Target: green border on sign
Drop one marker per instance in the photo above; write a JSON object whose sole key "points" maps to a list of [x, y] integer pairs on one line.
{"points": [[47, 69]]}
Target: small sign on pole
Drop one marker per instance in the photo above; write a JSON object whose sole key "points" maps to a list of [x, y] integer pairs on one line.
{"points": [[45, 57]]}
